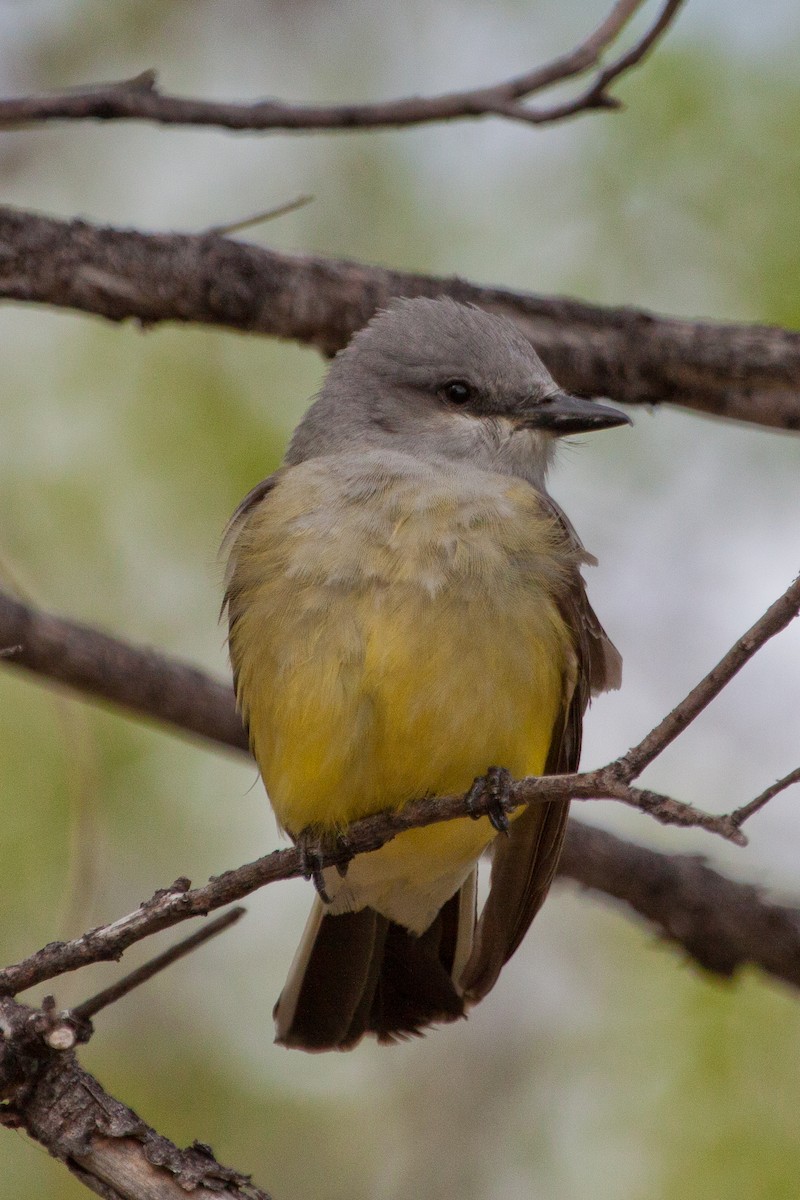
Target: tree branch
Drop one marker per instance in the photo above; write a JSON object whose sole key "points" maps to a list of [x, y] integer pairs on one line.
{"points": [[179, 903], [90, 1008], [724, 926], [101, 667], [139, 98], [721, 924], [596, 94], [104, 1144], [747, 372], [740, 815]]}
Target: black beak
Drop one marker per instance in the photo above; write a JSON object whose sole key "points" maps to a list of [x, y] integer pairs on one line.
{"points": [[562, 414]]}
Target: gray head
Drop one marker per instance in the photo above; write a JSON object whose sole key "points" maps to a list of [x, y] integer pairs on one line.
{"points": [[438, 379]]}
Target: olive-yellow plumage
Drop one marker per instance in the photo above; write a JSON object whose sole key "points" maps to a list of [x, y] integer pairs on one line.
{"points": [[406, 612], [395, 634]]}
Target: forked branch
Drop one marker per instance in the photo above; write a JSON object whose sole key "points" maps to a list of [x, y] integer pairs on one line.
{"points": [[722, 925], [614, 781], [139, 98]]}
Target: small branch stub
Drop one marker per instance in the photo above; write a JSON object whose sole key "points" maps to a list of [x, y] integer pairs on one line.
{"points": [[62, 1036]]}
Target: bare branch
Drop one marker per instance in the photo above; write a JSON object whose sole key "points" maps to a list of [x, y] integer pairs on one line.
{"points": [[166, 908], [723, 925], [89, 1008], [106, 668], [751, 373], [178, 902], [139, 99], [269, 214], [104, 1144], [607, 783], [597, 95], [748, 810]]}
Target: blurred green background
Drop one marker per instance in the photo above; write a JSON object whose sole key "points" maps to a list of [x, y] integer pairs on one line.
{"points": [[602, 1065]]}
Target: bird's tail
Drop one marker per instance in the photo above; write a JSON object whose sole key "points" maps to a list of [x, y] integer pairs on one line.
{"points": [[359, 973]]}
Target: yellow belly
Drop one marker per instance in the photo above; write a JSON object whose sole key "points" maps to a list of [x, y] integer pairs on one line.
{"points": [[396, 652], [433, 698]]}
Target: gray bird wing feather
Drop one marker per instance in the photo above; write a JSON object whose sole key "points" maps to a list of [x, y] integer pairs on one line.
{"points": [[524, 863]]}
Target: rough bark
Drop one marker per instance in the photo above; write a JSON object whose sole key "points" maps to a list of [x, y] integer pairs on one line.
{"points": [[747, 372]]}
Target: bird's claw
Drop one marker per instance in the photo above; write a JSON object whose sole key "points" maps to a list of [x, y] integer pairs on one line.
{"points": [[345, 853], [489, 796], [314, 847], [310, 848]]}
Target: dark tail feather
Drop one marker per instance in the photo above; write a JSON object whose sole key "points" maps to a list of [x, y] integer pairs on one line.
{"points": [[360, 973], [523, 866]]}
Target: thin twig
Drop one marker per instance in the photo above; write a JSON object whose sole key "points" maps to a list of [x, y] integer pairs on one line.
{"points": [[576, 62], [613, 781], [596, 96], [606, 784], [89, 1008], [269, 214], [740, 815], [632, 57], [139, 98], [668, 811], [178, 903]]}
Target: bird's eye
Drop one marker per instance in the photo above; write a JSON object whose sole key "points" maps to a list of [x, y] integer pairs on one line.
{"points": [[457, 391]]}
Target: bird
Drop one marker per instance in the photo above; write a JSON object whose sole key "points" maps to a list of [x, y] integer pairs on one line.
{"points": [[407, 618]]}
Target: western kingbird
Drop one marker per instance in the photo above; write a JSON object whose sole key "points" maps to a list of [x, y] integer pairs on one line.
{"points": [[406, 614]]}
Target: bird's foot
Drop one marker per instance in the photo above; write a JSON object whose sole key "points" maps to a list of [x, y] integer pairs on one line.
{"points": [[489, 796], [344, 853], [314, 847]]}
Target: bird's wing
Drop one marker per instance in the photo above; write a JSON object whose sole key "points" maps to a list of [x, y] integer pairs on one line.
{"points": [[524, 863], [228, 549]]}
